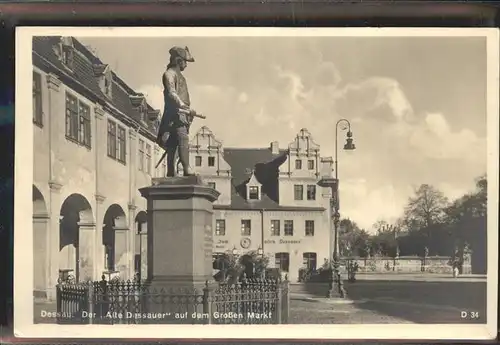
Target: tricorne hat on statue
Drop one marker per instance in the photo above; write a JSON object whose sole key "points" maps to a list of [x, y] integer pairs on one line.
{"points": [[182, 53]]}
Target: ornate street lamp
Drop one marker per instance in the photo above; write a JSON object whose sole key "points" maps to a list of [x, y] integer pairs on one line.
{"points": [[336, 288], [260, 253]]}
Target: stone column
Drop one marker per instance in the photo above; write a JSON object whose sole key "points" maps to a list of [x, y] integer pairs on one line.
{"points": [[41, 254], [86, 241], [180, 214], [99, 258], [122, 252], [53, 238], [143, 251], [132, 207], [100, 151]]}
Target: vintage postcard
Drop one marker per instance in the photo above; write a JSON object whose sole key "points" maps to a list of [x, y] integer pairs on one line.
{"points": [[276, 182]]}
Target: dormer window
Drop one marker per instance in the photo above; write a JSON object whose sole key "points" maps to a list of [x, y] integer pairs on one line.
{"points": [[67, 57], [107, 86], [253, 193], [138, 101], [104, 77], [254, 188], [67, 52]]}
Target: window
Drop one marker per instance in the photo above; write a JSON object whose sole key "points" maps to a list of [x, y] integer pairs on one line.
{"points": [[288, 227], [246, 227], [311, 192], [77, 121], [67, 56], [309, 260], [197, 161], [282, 261], [298, 192], [309, 227], [37, 99], [107, 86], [298, 164], [212, 185], [219, 261], [116, 142], [122, 153], [310, 164], [148, 159], [275, 227], [220, 227], [141, 155], [211, 161], [111, 139], [253, 193]]}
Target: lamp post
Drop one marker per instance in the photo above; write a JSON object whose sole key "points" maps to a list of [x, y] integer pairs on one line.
{"points": [[260, 253], [336, 288]]}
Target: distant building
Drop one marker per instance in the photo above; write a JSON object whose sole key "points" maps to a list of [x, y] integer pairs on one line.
{"points": [[269, 199], [94, 148]]}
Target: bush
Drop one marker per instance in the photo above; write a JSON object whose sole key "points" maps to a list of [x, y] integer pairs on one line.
{"points": [[233, 268]]}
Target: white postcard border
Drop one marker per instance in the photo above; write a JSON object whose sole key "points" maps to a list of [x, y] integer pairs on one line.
{"points": [[23, 234]]}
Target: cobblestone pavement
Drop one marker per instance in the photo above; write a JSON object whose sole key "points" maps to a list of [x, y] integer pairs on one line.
{"points": [[314, 312]]}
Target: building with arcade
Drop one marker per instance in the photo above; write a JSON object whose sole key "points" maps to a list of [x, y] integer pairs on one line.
{"points": [[94, 148]]}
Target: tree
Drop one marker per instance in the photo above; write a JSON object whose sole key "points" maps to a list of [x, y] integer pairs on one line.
{"points": [[384, 242], [424, 216], [466, 219], [352, 239], [426, 208], [232, 267]]}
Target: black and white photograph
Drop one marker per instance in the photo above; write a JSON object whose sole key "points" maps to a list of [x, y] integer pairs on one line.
{"points": [[332, 183]]}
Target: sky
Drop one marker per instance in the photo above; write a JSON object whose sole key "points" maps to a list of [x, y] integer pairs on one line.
{"points": [[417, 105]]}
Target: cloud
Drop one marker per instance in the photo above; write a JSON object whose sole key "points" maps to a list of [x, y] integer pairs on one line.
{"points": [[381, 202], [434, 139], [398, 146]]}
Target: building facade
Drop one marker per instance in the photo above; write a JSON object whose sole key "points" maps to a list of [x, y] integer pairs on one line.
{"points": [[94, 148], [269, 199]]}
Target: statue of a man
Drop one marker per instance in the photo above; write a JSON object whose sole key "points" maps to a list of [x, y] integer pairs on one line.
{"points": [[173, 132]]}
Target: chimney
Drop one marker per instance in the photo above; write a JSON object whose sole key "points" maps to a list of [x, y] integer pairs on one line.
{"points": [[275, 148]]}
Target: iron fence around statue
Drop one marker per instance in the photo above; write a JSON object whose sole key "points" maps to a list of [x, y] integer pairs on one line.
{"points": [[251, 301]]}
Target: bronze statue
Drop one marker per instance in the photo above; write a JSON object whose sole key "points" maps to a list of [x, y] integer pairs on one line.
{"points": [[173, 132]]}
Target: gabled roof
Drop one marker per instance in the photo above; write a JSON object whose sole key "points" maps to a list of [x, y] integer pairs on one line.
{"points": [[82, 76], [266, 170]]}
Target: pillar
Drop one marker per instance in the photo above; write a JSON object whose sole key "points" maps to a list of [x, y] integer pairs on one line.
{"points": [[86, 247], [53, 238], [56, 113], [121, 252], [41, 254], [132, 207], [179, 228], [143, 251], [100, 152]]}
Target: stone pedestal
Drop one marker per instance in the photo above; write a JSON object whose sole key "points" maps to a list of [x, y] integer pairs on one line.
{"points": [[179, 229]]}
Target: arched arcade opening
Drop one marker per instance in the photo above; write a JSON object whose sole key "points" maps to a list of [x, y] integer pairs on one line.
{"points": [[114, 238], [76, 238]]}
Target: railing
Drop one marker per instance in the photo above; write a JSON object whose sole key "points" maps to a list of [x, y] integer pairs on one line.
{"points": [[251, 301]]}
